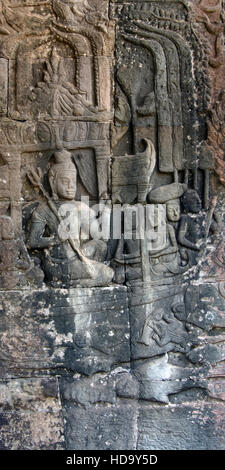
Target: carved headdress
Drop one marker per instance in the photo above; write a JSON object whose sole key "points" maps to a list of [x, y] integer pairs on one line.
{"points": [[63, 162], [166, 193]]}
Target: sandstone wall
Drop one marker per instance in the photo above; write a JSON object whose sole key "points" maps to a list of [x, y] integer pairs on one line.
{"points": [[112, 337]]}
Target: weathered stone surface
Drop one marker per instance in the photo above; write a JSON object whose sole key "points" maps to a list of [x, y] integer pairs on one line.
{"points": [[31, 415], [185, 427], [83, 330], [112, 268], [158, 379], [101, 427]]}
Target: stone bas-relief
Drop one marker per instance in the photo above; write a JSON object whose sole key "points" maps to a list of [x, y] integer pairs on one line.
{"points": [[16, 267], [67, 262], [112, 111], [11, 250]]}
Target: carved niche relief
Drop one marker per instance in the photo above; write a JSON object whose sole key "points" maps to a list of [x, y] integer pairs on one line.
{"points": [[59, 82]]}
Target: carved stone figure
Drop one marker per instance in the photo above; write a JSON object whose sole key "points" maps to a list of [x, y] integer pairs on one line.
{"points": [[14, 257], [57, 95], [112, 193], [165, 259], [191, 228], [20, 21], [66, 260], [203, 11], [129, 186], [216, 132]]}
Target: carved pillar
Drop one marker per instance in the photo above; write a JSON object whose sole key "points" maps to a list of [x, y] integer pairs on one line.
{"points": [[102, 158]]}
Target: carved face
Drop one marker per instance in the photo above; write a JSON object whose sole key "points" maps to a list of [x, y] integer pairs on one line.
{"points": [[173, 210], [195, 204], [65, 184], [192, 202]]}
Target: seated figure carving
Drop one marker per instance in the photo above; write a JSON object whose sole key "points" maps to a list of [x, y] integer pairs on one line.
{"points": [[165, 259], [68, 260], [14, 257]]}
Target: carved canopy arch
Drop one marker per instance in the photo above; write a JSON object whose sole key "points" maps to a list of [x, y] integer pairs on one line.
{"points": [[187, 86]]}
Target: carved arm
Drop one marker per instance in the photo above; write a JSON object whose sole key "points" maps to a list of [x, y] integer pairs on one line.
{"points": [[36, 239]]}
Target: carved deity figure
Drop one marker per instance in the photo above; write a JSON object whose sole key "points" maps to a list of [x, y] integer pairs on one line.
{"points": [[191, 223], [56, 95], [165, 259], [68, 258], [13, 254], [93, 13]]}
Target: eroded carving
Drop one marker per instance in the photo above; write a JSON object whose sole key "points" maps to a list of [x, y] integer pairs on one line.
{"points": [[165, 328], [66, 168], [216, 132], [124, 175], [67, 261], [212, 18], [16, 267], [16, 20], [166, 260], [58, 96]]}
